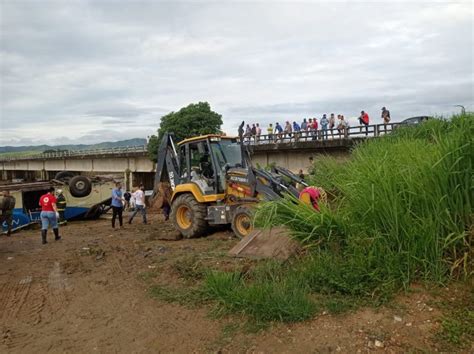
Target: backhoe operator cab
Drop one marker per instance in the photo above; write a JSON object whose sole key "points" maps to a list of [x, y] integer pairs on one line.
{"points": [[213, 183], [205, 161]]}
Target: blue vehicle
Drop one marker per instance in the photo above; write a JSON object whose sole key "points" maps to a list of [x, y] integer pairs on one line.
{"points": [[86, 198]]}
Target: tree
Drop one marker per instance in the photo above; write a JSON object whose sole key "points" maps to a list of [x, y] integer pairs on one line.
{"points": [[192, 120]]}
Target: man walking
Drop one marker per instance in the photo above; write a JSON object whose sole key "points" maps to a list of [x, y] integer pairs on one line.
{"points": [[61, 205], [8, 204], [140, 204], [117, 204], [49, 215]]}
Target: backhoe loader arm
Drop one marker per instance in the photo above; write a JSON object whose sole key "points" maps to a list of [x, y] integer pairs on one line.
{"points": [[287, 173], [167, 168]]}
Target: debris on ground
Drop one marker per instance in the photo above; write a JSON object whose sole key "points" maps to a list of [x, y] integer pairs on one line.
{"points": [[267, 243]]}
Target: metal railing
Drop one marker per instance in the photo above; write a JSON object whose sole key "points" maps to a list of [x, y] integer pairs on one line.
{"points": [[78, 153], [369, 131]]}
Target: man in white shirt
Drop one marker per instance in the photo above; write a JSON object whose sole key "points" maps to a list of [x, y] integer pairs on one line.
{"points": [[139, 196]]}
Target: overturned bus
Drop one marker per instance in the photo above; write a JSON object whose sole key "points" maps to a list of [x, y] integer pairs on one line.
{"points": [[86, 198]]}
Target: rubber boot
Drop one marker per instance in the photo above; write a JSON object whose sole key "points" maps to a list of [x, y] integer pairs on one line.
{"points": [[43, 236], [56, 234]]}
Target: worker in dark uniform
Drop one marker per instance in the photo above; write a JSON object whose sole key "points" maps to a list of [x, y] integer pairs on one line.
{"points": [[8, 204], [61, 205]]}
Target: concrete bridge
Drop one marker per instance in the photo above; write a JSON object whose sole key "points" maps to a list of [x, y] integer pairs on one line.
{"points": [[291, 151], [132, 163]]}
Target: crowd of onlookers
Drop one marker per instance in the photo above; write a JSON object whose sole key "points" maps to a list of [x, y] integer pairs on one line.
{"points": [[313, 128]]}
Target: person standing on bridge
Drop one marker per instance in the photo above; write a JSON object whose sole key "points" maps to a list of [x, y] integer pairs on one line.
{"points": [[342, 125], [332, 123], [139, 204], [117, 204], [304, 127], [253, 132], [314, 128], [259, 132], [296, 130], [278, 132], [364, 120], [270, 133], [288, 130], [324, 126], [49, 215], [8, 204], [385, 116]]}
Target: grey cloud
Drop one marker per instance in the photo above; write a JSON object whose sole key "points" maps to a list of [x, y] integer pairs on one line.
{"points": [[112, 68]]}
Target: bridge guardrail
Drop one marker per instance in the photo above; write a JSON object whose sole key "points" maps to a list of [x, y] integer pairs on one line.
{"points": [[369, 131], [72, 153]]}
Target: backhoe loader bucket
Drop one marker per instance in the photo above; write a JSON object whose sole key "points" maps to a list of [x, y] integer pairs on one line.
{"points": [[267, 243]]}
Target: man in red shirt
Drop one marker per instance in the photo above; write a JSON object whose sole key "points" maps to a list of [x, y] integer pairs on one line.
{"points": [[364, 120], [49, 215], [314, 128]]}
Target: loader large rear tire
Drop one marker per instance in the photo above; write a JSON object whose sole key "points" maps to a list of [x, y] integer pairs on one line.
{"points": [[189, 216]]}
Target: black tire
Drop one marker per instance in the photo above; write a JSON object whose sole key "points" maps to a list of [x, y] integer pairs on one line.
{"points": [[242, 222], [186, 206], [80, 186], [64, 176]]}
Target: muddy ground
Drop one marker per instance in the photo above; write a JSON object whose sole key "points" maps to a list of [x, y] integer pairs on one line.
{"points": [[90, 293]]}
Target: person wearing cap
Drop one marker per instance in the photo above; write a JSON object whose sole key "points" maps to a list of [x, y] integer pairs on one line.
{"points": [[61, 205], [385, 115]]}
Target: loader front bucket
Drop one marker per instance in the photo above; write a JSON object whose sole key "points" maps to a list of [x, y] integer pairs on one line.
{"points": [[267, 243]]}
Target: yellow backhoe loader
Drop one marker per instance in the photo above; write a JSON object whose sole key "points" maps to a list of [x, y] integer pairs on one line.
{"points": [[213, 183]]}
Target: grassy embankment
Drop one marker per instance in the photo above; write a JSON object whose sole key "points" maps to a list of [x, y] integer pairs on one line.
{"points": [[400, 212]]}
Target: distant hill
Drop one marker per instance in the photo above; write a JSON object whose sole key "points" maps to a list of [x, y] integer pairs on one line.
{"points": [[104, 145]]}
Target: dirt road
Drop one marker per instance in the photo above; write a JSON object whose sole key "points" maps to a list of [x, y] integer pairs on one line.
{"points": [[87, 293]]}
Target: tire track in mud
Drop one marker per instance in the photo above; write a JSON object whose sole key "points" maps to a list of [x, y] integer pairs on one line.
{"points": [[14, 295], [58, 285], [23, 302]]}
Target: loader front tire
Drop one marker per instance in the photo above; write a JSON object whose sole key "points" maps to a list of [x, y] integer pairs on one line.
{"points": [[189, 216], [242, 222]]}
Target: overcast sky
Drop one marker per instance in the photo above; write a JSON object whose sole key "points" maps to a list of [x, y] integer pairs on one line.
{"points": [[90, 71]]}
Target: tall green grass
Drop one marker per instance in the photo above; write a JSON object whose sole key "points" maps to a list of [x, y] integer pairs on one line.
{"points": [[268, 295], [400, 211]]}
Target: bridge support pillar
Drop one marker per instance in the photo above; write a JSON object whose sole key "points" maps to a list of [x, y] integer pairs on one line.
{"points": [[128, 180]]}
